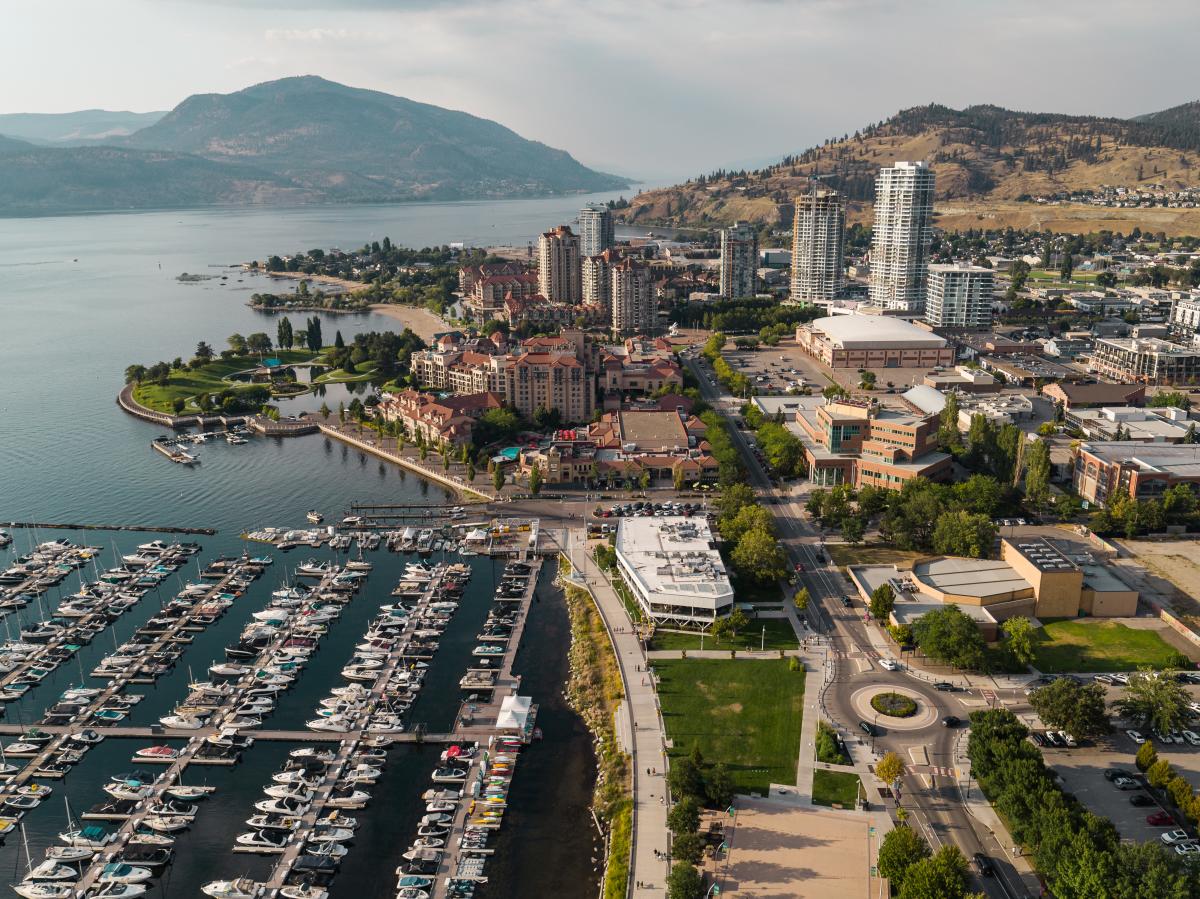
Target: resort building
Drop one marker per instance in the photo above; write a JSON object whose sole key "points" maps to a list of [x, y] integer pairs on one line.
{"points": [[1139, 471], [1146, 360], [559, 271], [739, 261], [673, 569], [439, 420], [873, 341], [596, 230], [901, 236], [959, 296], [818, 269]]}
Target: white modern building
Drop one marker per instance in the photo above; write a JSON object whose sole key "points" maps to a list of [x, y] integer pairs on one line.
{"points": [[739, 261], [673, 569], [559, 274], [901, 236], [959, 296], [597, 281], [634, 310], [818, 269], [596, 230], [1185, 319]]}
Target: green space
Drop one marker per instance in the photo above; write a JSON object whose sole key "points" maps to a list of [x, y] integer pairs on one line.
{"points": [[745, 713], [1042, 274], [364, 372], [186, 384], [829, 749], [779, 635], [831, 787], [844, 554], [1097, 645], [895, 705]]}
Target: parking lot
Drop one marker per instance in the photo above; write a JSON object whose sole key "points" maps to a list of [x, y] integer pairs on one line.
{"points": [[780, 368], [1082, 772]]}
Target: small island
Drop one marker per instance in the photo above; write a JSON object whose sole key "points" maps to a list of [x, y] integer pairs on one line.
{"points": [[306, 300]]}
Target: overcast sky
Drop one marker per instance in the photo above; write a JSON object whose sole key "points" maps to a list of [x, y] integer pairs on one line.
{"points": [[646, 88]]}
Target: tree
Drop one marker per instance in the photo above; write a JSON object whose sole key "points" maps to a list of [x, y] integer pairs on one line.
{"points": [[324, 410], [684, 816], [1155, 699], [1066, 704], [853, 529], [178, 404], [962, 533], [258, 342], [535, 480], [1147, 755], [949, 635], [284, 337], [1067, 268], [204, 352], [687, 847], [498, 478], [684, 779], [801, 599], [1018, 635], [718, 786], [135, 374], [944, 876], [883, 600], [470, 472], [1158, 774], [1037, 472], [948, 434], [737, 620], [684, 882], [237, 343], [758, 557], [889, 767], [902, 847]]}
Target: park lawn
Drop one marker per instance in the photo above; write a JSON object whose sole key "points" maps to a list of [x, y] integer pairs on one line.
{"points": [[209, 378], [1094, 645], [834, 786], [341, 376], [780, 635], [744, 713], [844, 554], [1042, 274]]}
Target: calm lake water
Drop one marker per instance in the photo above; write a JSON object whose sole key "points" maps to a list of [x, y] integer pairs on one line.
{"points": [[81, 298]]}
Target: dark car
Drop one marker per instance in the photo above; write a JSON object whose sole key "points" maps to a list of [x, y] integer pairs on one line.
{"points": [[1038, 739], [950, 721], [1140, 799], [983, 865], [1052, 738], [945, 687], [868, 728], [846, 602], [1113, 773]]}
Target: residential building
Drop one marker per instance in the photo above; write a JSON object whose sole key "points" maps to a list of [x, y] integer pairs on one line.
{"points": [[439, 420], [637, 367], [864, 444], [538, 313], [1132, 423], [553, 380], [596, 229], [818, 269], [1185, 319], [959, 296], [1085, 396], [559, 267], [739, 261], [634, 309], [1145, 360], [673, 569], [1104, 470], [873, 341], [901, 236], [597, 282]]}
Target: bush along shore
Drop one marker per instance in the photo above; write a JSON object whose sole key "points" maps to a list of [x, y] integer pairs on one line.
{"points": [[594, 690]]}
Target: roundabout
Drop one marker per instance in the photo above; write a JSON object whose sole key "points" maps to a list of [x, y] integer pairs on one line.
{"points": [[869, 703]]}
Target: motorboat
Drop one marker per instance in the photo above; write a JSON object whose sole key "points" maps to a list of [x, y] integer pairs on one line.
{"points": [[69, 854], [181, 722], [166, 823], [132, 790], [282, 806], [145, 856], [303, 891], [322, 833], [241, 888], [50, 870], [157, 753], [91, 837], [314, 516], [289, 791], [347, 798], [120, 872], [286, 823], [189, 793], [264, 840], [43, 890], [311, 752], [122, 890], [87, 737], [151, 838]]}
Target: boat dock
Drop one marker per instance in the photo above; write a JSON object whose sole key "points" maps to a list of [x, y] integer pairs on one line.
{"points": [[144, 528]]}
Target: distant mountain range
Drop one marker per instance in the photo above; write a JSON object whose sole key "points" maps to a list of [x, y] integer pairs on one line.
{"points": [[296, 140], [985, 159]]}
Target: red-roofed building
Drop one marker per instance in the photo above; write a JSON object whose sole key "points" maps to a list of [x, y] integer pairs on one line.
{"points": [[447, 420]]}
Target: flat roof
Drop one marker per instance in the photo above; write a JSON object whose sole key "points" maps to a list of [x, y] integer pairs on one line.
{"points": [[1179, 459], [673, 560], [865, 331], [1101, 579], [970, 577], [657, 430], [1042, 554], [788, 405]]}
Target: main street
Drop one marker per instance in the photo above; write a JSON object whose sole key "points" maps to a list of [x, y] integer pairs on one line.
{"points": [[933, 799]]}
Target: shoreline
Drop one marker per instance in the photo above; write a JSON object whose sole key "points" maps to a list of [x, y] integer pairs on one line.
{"points": [[349, 286], [422, 322], [283, 310]]}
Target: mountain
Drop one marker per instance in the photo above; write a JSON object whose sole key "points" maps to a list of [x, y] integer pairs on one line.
{"points": [[296, 140], [988, 161], [74, 127]]}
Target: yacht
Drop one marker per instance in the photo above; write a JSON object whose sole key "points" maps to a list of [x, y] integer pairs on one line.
{"points": [[303, 891], [241, 888], [43, 890], [119, 872], [314, 516], [51, 870], [269, 841]]}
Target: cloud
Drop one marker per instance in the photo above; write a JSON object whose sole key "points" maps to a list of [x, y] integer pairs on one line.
{"points": [[322, 35]]}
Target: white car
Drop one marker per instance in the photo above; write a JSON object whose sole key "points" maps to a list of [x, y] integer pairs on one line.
{"points": [[1120, 678], [1192, 737], [1067, 738], [1176, 836], [1135, 736], [889, 664]]}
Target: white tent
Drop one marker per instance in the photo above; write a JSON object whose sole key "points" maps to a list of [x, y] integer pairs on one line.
{"points": [[514, 713]]}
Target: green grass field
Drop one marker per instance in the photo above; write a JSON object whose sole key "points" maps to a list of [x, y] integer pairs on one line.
{"points": [[744, 713], [844, 554], [780, 635], [834, 786], [208, 378], [1097, 645]]}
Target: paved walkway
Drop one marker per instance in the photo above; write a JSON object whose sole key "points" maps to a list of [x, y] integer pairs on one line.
{"points": [[814, 682], [648, 874]]}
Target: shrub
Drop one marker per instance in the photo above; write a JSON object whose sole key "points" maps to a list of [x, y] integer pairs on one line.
{"points": [[1160, 773], [895, 705], [1147, 755]]}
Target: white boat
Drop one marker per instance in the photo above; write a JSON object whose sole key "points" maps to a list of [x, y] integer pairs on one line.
{"points": [[119, 872], [122, 890], [281, 806], [241, 888], [314, 516], [51, 870], [181, 722], [69, 853], [166, 823], [93, 837], [44, 890], [267, 840], [189, 793], [305, 891]]}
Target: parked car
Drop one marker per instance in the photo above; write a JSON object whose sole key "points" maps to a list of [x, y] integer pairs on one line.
{"points": [[1126, 783], [868, 728], [1135, 736], [983, 865], [1067, 739], [1113, 773], [1122, 679], [1187, 848], [1192, 737], [1140, 799], [1175, 836], [945, 687], [1052, 738], [1036, 738], [1103, 679], [1160, 819]]}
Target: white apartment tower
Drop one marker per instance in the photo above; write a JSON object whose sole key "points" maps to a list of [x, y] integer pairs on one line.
{"points": [[818, 271], [558, 266], [959, 296], [739, 261], [597, 280], [901, 236], [596, 231], [634, 310]]}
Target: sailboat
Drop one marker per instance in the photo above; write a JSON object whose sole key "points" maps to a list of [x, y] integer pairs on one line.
{"points": [[92, 837]]}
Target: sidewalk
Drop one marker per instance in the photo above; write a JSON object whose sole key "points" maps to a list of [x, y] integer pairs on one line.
{"points": [[644, 724]]}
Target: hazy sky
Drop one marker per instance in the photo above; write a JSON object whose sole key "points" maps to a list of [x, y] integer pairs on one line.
{"points": [[647, 88]]}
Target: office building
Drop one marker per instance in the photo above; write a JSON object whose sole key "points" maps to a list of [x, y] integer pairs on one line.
{"points": [[634, 310], [673, 569], [739, 261], [818, 270], [959, 296], [1105, 470], [559, 272], [596, 231], [901, 236]]}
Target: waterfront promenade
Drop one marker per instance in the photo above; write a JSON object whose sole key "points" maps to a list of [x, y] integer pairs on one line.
{"points": [[649, 867]]}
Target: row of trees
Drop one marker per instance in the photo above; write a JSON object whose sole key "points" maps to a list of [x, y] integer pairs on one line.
{"points": [[780, 447], [749, 529], [1079, 853], [693, 785], [914, 872], [1128, 517]]}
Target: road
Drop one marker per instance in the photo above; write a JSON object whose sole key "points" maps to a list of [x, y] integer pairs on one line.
{"points": [[937, 810]]}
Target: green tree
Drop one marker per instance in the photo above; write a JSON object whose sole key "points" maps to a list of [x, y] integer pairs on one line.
{"points": [[535, 480], [237, 343], [801, 599], [1067, 268], [644, 480], [889, 767], [853, 529], [685, 779], [284, 337], [687, 847], [684, 816], [1158, 774], [883, 600], [737, 621], [943, 876], [949, 635], [948, 436], [1018, 637], [1155, 699], [1147, 755], [324, 410], [204, 352], [757, 557], [902, 847], [718, 786], [1037, 472], [962, 533], [1066, 704], [684, 882], [178, 404], [498, 478], [470, 472]]}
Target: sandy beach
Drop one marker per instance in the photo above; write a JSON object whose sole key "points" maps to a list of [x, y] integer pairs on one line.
{"points": [[423, 322]]}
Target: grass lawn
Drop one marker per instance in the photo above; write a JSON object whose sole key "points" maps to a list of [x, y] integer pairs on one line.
{"points": [[1042, 274], [780, 635], [208, 378], [844, 554], [744, 713], [1094, 645], [341, 376], [834, 786]]}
